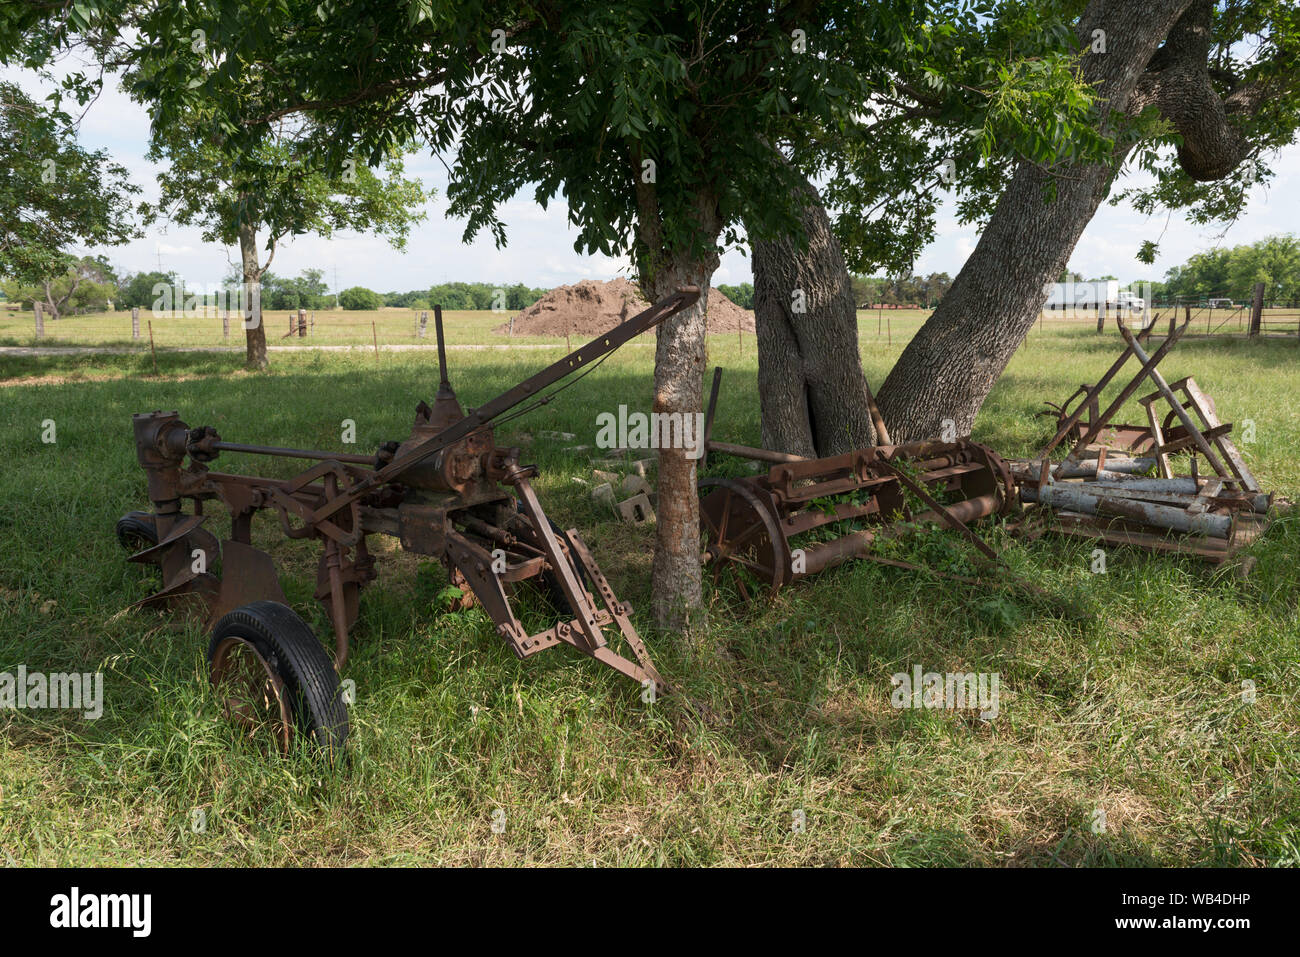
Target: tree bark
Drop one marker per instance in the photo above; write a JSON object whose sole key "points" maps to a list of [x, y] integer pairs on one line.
{"points": [[676, 596], [812, 394], [949, 367], [254, 328]]}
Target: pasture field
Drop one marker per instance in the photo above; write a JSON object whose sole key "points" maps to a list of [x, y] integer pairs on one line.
{"points": [[1123, 694]]}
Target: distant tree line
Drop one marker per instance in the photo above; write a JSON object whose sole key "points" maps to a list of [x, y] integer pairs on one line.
{"points": [[923, 291], [1225, 273], [1232, 273], [742, 295], [91, 285]]}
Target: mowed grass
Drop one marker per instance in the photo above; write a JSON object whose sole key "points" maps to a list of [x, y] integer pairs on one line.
{"points": [[1121, 694], [331, 328]]}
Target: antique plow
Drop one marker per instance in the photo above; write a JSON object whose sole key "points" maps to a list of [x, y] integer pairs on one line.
{"points": [[1104, 488], [806, 515], [447, 491]]}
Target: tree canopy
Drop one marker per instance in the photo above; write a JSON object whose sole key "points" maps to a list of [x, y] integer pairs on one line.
{"points": [[54, 195]]}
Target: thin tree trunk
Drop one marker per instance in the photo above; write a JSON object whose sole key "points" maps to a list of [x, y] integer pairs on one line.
{"points": [[812, 393], [676, 596], [254, 328], [947, 370]]}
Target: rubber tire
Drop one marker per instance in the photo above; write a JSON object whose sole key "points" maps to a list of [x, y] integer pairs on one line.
{"points": [[137, 531], [286, 642]]}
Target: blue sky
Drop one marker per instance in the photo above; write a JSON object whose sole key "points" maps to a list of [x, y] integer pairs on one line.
{"points": [[540, 250]]}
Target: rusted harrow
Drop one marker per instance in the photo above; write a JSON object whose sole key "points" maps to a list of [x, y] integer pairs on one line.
{"points": [[447, 491], [807, 515], [1103, 490]]}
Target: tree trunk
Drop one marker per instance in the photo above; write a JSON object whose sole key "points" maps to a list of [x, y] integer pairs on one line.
{"points": [[50, 305], [676, 595], [812, 393], [54, 304], [949, 367], [254, 328]]}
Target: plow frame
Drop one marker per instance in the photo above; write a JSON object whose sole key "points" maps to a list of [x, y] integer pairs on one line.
{"points": [[447, 491]]}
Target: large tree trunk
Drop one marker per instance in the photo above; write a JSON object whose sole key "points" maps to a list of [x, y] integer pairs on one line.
{"points": [[949, 367], [811, 390], [254, 328], [676, 596]]}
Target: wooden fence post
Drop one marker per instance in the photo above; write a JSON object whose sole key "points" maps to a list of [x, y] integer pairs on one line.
{"points": [[135, 322], [302, 323], [40, 320], [225, 323], [1257, 310]]}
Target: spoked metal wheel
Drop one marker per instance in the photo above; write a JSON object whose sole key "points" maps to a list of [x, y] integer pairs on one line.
{"points": [[743, 540], [275, 680], [252, 692]]}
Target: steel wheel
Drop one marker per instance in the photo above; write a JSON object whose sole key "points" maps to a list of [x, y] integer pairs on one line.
{"points": [[251, 691], [275, 680], [742, 535]]}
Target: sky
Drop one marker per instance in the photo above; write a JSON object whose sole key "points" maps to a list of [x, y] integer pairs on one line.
{"points": [[540, 250]]}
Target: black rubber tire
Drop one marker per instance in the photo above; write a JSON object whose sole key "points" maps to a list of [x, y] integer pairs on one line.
{"points": [[136, 531], [287, 644]]}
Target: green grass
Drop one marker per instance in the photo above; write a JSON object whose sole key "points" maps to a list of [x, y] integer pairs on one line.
{"points": [[332, 328], [1123, 695]]}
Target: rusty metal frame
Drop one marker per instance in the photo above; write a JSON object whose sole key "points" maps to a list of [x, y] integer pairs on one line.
{"points": [[1099, 490], [752, 524], [447, 491]]}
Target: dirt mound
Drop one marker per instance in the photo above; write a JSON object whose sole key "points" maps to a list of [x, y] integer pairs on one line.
{"points": [[590, 307]]}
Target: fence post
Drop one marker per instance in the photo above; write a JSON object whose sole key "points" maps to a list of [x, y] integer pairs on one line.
{"points": [[225, 323], [40, 319], [135, 322], [1257, 310], [424, 321], [302, 323], [1101, 319]]}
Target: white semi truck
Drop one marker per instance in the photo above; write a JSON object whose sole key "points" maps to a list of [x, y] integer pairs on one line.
{"points": [[1092, 297]]}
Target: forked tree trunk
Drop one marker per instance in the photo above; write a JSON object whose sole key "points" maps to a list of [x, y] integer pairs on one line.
{"points": [[811, 390], [949, 367], [254, 328], [676, 596]]}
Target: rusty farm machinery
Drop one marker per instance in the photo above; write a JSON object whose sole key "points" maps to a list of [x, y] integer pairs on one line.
{"points": [[446, 491], [1104, 490], [805, 515], [1117, 485], [450, 492]]}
